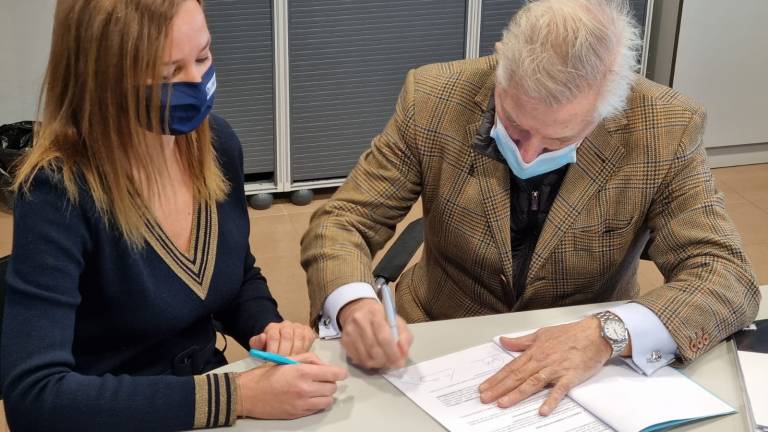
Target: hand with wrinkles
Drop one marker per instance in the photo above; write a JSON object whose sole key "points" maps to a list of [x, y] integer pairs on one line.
{"points": [[285, 338], [367, 338], [560, 357]]}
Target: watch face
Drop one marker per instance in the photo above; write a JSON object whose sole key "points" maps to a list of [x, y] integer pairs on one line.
{"points": [[614, 330]]}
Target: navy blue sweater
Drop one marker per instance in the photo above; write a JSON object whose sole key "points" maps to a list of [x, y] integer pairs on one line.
{"points": [[99, 337]]}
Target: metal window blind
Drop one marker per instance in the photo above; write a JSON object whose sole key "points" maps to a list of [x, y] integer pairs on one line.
{"points": [[495, 16], [497, 13], [348, 60], [243, 55], [639, 11]]}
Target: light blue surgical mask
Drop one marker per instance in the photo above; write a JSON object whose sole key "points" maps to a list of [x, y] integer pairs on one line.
{"points": [[544, 163]]}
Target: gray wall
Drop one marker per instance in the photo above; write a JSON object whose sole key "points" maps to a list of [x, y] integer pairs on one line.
{"points": [[721, 61], [25, 38], [661, 44]]}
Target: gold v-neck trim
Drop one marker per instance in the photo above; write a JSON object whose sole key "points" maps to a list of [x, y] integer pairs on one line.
{"points": [[195, 267]]}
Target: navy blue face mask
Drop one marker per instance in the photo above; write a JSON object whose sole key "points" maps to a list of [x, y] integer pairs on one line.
{"points": [[189, 104]]}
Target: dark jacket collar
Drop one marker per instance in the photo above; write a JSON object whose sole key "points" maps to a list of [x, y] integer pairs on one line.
{"points": [[482, 142]]}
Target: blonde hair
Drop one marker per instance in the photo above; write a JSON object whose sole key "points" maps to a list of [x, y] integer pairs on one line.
{"points": [[555, 50], [94, 122]]}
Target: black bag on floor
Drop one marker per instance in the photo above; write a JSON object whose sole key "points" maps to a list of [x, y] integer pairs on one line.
{"points": [[15, 139]]}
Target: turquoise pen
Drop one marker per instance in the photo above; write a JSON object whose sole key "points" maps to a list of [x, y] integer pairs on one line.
{"points": [[272, 357]]}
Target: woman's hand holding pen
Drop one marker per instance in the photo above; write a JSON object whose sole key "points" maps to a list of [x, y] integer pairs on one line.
{"points": [[290, 391]]}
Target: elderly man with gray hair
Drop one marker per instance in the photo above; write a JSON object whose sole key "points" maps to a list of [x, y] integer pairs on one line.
{"points": [[542, 171]]}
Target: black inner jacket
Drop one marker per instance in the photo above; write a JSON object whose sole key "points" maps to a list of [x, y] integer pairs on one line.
{"points": [[529, 204], [530, 201]]}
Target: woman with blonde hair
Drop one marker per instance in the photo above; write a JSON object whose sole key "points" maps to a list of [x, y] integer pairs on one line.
{"points": [[131, 238]]}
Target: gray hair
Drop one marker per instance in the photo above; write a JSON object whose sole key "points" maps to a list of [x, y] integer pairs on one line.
{"points": [[554, 50]]}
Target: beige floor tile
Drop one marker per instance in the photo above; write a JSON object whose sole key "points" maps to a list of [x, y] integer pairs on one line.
{"points": [[758, 256], [6, 228], [744, 179], [3, 424], [760, 199], [750, 221], [6, 234], [274, 235], [300, 221], [317, 202], [274, 210], [648, 276], [288, 285], [5, 217], [233, 351], [732, 195]]}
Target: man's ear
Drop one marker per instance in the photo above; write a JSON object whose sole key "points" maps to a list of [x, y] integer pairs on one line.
{"points": [[497, 46]]}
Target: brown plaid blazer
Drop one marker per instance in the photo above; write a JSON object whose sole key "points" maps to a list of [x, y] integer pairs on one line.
{"points": [[642, 170]]}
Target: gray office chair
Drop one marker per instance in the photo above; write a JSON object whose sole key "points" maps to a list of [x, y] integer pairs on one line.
{"points": [[400, 253]]}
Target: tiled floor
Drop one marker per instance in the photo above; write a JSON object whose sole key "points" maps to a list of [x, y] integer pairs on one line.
{"points": [[276, 233]]}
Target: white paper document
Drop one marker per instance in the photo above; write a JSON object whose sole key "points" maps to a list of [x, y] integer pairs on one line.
{"points": [[243, 365], [446, 388], [631, 401], [754, 367], [617, 397]]}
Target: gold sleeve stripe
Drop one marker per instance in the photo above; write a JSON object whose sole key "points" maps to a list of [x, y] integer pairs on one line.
{"points": [[215, 399], [202, 398], [231, 402]]}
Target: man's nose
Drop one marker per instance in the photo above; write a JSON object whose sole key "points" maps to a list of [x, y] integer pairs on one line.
{"points": [[529, 150]]}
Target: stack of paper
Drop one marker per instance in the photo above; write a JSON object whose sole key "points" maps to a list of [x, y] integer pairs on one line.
{"points": [[617, 397], [446, 388], [752, 345]]}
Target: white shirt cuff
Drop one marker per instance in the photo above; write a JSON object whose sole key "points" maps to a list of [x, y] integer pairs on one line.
{"points": [[652, 345], [329, 326]]}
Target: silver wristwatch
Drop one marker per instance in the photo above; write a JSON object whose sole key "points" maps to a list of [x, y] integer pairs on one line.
{"points": [[614, 331]]}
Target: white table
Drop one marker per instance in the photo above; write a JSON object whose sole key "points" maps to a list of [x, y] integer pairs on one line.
{"points": [[367, 402]]}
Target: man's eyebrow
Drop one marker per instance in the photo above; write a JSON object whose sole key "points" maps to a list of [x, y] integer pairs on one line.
{"points": [[508, 117], [565, 138], [512, 120]]}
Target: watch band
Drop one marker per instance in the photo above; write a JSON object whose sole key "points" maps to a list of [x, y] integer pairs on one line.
{"points": [[617, 345]]}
